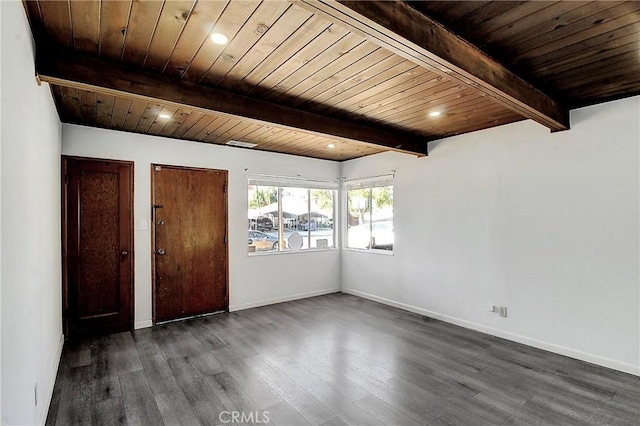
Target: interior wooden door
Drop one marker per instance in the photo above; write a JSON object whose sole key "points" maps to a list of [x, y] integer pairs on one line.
{"points": [[190, 248], [97, 246]]}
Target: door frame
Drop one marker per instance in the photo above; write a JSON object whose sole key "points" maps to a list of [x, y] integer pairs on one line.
{"points": [[153, 229], [64, 237]]}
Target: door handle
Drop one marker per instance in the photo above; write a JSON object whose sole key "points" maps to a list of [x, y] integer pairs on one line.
{"points": [[124, 253], [161, 252]]}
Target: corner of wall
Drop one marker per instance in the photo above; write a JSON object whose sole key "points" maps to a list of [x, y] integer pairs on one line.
{"points": [[52, 382], [30, 252], [342, 218]]}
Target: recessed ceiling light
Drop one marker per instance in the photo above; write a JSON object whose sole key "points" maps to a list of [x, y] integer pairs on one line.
{"points": [[219, 38], [434, 113], [164, 116], [331, 145]]}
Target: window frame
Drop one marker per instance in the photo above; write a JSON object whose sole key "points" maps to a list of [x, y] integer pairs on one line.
{"points": [[366, 183], [280, 183]]}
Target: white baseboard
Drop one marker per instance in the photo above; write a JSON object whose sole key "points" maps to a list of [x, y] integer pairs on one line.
{"points": [[551, 347], [56, 364], [259, 303], [232, 308], [143, 324]]}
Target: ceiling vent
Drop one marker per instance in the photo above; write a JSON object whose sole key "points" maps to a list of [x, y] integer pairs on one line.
{"points": [[242, 144]]}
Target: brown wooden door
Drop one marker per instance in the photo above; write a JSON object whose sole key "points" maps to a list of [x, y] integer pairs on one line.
{"points": [[190, 250], [97, 240]]}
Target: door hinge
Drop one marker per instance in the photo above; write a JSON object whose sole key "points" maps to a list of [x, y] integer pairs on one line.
{"points": [[66, 178], [224, 188], [225, 239]]}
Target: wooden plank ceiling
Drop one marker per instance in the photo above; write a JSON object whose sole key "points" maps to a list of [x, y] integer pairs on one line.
{"points": [[582, 52], [296, 79]]}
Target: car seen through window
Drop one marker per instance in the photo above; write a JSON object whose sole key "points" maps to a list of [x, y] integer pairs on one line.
{"points": [[262, 241]]}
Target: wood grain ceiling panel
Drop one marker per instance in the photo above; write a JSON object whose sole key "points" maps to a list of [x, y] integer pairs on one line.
{"points": [[347, 63], [585, 51], [88, 105], [85, 73], [162, 127], [407, 95], [425, 87], [315, 35], [56, 20], [319, 88], [170, 25], [277, 51], [458, 11], [114, 17], [623, 46], [420, 39], [509, 21], [134, 115], [573, 31], [85, 21], [329, 45], [588, 47], [104, 109], [375, 76], [139, 32], [539, 27], [194, 36], [309, 67], [229, 23], [580, 51], [290, 23], [264, 17]]}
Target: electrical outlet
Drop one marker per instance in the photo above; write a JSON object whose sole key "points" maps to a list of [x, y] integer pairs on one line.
{"points": [[35, 394], [503, 311]]}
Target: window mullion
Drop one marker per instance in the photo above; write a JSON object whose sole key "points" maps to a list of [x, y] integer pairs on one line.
{"points": [[280, 221], [370, 218], [308, 218]]}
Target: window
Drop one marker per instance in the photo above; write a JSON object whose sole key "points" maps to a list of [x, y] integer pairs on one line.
{"points": [[280, 208], [370, 215]]}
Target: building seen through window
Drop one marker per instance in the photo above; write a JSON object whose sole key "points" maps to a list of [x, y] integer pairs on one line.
{"points": [[277, 212]]}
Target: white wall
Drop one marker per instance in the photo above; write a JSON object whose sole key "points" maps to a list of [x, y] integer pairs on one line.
{"points": [[545, 224], [0, 215], [30, 228], [253, 281]]}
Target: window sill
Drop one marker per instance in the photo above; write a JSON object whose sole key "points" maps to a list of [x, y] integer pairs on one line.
{"points": [[278, 253], [372, 251]]}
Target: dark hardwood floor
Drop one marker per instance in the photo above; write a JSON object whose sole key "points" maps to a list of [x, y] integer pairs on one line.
{"points": [[330, 360]]}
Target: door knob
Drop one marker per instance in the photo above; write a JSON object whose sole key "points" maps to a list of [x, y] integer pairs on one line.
{"points": [[124, 253], [161, 252], [160, 222]]}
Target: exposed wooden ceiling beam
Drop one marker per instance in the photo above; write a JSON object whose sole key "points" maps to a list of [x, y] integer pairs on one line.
{"points": [[69, 69], [396, 26]]}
